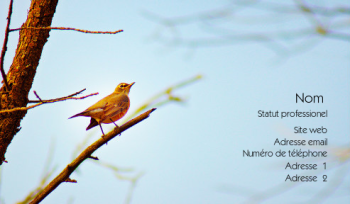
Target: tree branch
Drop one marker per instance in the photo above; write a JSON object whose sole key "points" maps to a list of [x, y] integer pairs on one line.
{"points": [[4, 46], [46, 101], [64, 175], [55, 99], [22, 71], [68, 28]]}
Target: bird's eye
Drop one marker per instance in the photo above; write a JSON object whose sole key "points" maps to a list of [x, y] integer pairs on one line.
{"points": [[122, 86]]}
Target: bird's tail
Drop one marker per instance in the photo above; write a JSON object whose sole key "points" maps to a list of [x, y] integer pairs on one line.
{"points": [[79, 114], [92, 124]]}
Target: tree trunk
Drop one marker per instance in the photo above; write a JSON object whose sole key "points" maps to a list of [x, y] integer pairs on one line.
{"points": [[22, 71]]}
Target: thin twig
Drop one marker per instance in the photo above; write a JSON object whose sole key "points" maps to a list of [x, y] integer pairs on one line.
{"points": [[64, 175], [4, 46], [68, 28], [70, 180], [92, 157], [55, 99], [44, 102], [37, 96]]}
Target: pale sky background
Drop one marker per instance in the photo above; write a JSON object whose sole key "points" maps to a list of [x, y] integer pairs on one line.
{"points": [[191, 152]]}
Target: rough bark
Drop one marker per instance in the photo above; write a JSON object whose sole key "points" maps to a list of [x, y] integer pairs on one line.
{"points": [[22, 71]]}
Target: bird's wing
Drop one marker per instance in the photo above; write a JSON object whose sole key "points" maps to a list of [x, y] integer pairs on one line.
{"points": [[118, 105], [95, 109], [101, 104]]}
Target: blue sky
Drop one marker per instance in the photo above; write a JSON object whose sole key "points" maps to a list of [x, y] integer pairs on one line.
{"points": [[189, 152]]}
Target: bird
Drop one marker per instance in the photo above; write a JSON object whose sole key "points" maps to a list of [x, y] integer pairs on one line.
{"points": [[109, 109]]}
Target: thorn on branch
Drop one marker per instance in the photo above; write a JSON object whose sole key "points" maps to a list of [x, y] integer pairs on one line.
{"points": [[92, 157], [70, 180], [68, 28]]}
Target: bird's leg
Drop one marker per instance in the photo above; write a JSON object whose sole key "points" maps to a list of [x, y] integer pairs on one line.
{"points": [[114, 123], [103, 134], [116, 126]]}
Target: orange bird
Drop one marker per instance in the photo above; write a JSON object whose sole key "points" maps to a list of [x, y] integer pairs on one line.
{"points": [[109, 109]]}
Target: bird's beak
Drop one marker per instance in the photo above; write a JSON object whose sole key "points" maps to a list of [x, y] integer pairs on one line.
{"points": [[130, 85]]}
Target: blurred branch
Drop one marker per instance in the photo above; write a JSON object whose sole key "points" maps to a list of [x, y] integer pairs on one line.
{"points": [[222, 26], [44, 181], [80, 147], [164, 97], [114, 168], [46, 174], [4, 47], [134, 181], [64, 175], [41, 102], [68, 28], [285, 8], [118, 172]]}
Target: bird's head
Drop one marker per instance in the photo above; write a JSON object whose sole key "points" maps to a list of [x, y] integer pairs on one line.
{"points": [[123, 88]]}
